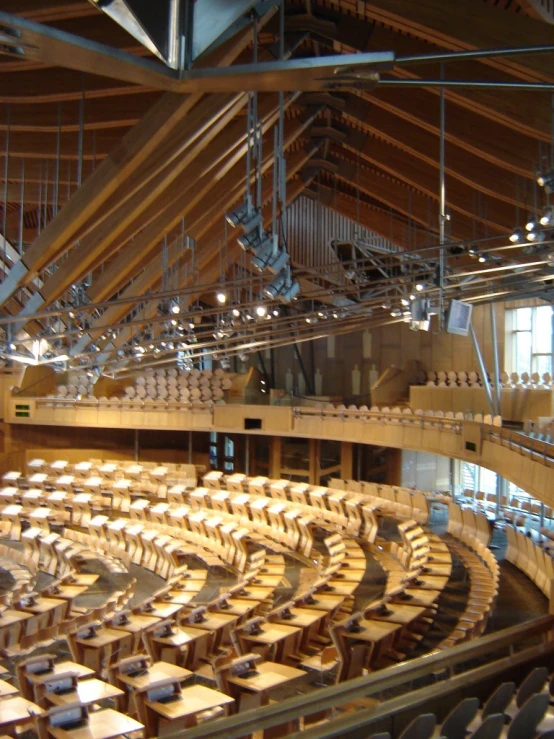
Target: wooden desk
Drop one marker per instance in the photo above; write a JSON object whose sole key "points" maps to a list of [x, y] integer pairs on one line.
{"points": [[59, 669], [307, 619], [324, 601], [220, 624], [400, 613], [162, 609], [11, 476], [197, 639], [136, 624], [12, 626], [341, 587], [87, 692], [70, 591], [7, 689], [374, 638], [15, 711], [84, 578], [281, 639], [9, 494], [240, 606], [255, 690], [157, 672], [431, 582], [422, 596], [105, 724], [436, 568], [194, 700], [51, 610], [98, 651], [255, 592]]}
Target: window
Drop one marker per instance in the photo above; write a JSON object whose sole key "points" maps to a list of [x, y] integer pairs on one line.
{"points": [[529, 340]]}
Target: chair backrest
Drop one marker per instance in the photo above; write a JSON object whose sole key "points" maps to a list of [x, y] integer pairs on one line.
{"points": [[421, 727], [455, 724], [491, 727], [525, 722], [533, 683]]}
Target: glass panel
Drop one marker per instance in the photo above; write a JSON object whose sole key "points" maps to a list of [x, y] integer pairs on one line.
{"points": [[523, 352], [542, 363], [523, 319], [542, 330], [488, 481]]}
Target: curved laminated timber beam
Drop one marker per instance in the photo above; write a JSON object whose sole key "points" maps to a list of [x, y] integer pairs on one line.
{"points": [[155, 165]]}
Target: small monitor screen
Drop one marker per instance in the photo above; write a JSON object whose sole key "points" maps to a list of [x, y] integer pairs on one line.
{"points": [[161, 691], [458, 319]]}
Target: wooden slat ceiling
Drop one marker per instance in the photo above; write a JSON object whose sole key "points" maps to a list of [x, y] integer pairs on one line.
{"points": [[153, 163]]}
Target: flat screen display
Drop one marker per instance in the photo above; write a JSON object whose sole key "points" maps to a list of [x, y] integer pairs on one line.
{"points": [[458, 319]]}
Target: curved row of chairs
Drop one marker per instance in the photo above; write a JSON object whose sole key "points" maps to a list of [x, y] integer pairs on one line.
{"points": [[396, 414], [532, 560]]}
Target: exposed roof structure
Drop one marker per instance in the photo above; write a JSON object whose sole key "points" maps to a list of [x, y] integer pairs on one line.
{"points": [[123, 150]]}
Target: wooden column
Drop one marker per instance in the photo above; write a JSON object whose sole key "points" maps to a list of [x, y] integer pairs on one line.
{"points": [[346, 460], [275, 457], [314, 469]]}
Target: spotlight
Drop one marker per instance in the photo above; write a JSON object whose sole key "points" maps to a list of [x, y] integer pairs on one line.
{"points": [[270, 257], [517, 236], [535, 236], [546, 180], [396, 313], [531, 224], [225, 363], [253, 240], [276, 312], [547, 218], [419, 286], [291, 292], [221, 297], [386, 305], [175, 308], [483, 258], [404, 301], [244, 216], [236, 313], [243, 356], [261, 310]]}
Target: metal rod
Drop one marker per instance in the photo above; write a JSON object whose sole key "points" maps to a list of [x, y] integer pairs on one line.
{"points": [[21, 207], [482, 368], [541, 86], [81, 136], [495, 358], [56, 194], [6, 171], [442, 203], [136, 448], [307, 380], [190, 447], [474, 54]]}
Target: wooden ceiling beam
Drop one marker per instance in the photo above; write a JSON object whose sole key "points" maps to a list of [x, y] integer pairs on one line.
{"points": [[467, 26], [413, 203], [123, 162], [460, 198], [216, 167], [494, 143], [90, 248], [405, 136]]}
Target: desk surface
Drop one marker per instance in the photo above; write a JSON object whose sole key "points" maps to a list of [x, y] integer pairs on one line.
{"points": [[164, 610], [182, 635], [136, 622], [103, 637], [194, 699], [7, 689], [68, 592], [60, 668], [43, 604], [401, 613], [87, 691], [9, 617], [16, 710], [105, 724], [303, 617], [157, 672], [272, 633], [422, 596], [271, 674], [372, 630], [84, 578]]}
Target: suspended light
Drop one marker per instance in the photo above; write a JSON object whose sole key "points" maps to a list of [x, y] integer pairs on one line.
{"points": [[517, 236], [546, 180], [236, 313], [386, 305], [225, 363], [396, 313], [547, 218], [175, 308], [261, 310], [276, 312], [221, 297], [404, 301], [531, 224], [535, 236]]}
